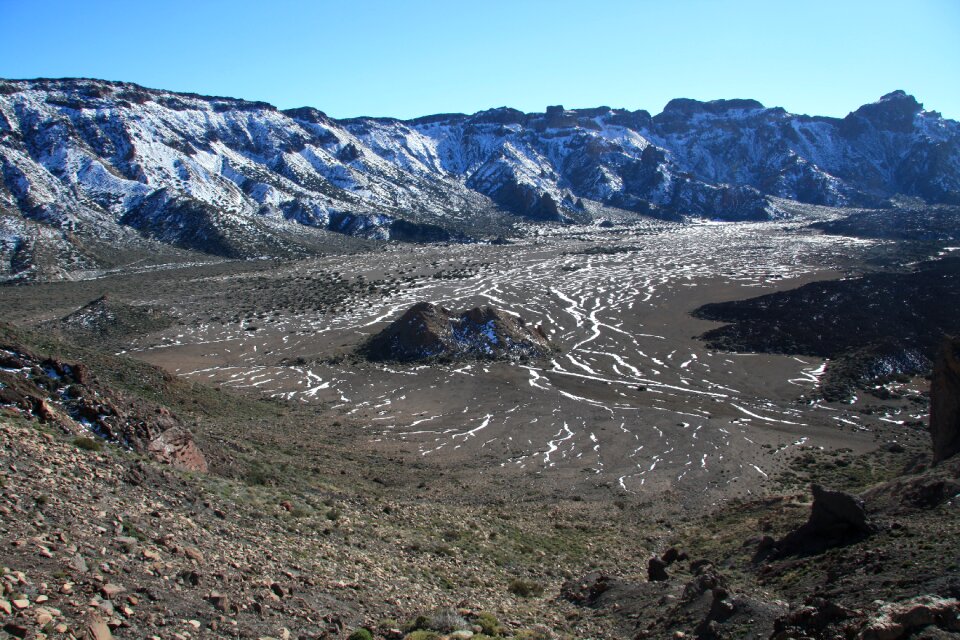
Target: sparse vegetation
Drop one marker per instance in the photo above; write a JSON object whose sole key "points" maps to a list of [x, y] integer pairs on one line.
{"points": [[525, 588], [88, 444]]}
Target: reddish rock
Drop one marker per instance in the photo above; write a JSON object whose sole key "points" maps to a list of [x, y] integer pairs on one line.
{"points": [[898, 620], [220, 601], [111, 591], [16, 630], [97, 629], [176, 447]]}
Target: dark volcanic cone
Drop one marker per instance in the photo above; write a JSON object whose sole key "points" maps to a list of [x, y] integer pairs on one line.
{"points": [[428, 331]]}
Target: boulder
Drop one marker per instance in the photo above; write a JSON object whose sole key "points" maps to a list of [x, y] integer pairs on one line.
{"points": [[836, 519], [176, 447], [657, 570], [97, 629], [945, 401], [836, 510]]}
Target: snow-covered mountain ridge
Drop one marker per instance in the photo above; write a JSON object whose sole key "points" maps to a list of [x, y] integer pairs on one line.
{"points": [[121, 163]]}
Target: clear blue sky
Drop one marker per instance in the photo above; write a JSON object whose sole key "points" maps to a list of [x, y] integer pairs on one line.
{"points": [[406, 58]]}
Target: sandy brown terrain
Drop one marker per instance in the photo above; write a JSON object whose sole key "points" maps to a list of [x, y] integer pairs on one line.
{"points": [[632, 404], [387, 490]]}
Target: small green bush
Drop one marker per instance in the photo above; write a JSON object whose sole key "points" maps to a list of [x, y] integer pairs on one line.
{"points": [[422, 634], [87, 444], [525, 588], [360, 634], [421, 622], [489, 624], [388, 623]]}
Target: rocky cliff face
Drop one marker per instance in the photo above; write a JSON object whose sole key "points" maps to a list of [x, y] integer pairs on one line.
{"points": [[118, 162], [945, 401]]}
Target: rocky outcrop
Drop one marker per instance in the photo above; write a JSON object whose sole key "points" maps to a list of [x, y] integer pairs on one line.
{"points": [[927, 489], [175, 446], [900, 619], [836, 519], [872, 328], [70, 396], [945, 401], [427, 331]]}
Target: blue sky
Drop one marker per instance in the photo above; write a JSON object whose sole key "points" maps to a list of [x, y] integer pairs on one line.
{"points": [[409, 58]]}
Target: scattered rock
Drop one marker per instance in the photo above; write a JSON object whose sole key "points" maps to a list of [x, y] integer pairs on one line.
{"points": [[78, 564], [898, 620], [587, 590], [819, 618], [193, 553]]}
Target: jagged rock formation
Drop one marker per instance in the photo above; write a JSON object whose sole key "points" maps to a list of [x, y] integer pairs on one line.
{"points": [[83, 159], [69, 396], [426, 331], [945, 401], [836, 518]]}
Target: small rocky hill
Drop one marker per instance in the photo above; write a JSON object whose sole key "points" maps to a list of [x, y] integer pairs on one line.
{"points": [[427, 331], [106, 318]]}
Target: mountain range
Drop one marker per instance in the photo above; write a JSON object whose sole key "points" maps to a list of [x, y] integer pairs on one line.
{"points": [[89, 166]]}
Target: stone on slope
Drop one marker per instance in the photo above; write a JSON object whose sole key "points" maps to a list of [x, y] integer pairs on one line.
{"points": [[176, 447], [836, 519]]}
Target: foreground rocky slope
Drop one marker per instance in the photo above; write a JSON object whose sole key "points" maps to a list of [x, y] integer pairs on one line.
{"points": [[297, 532], [69, 396], [86, 162]]}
